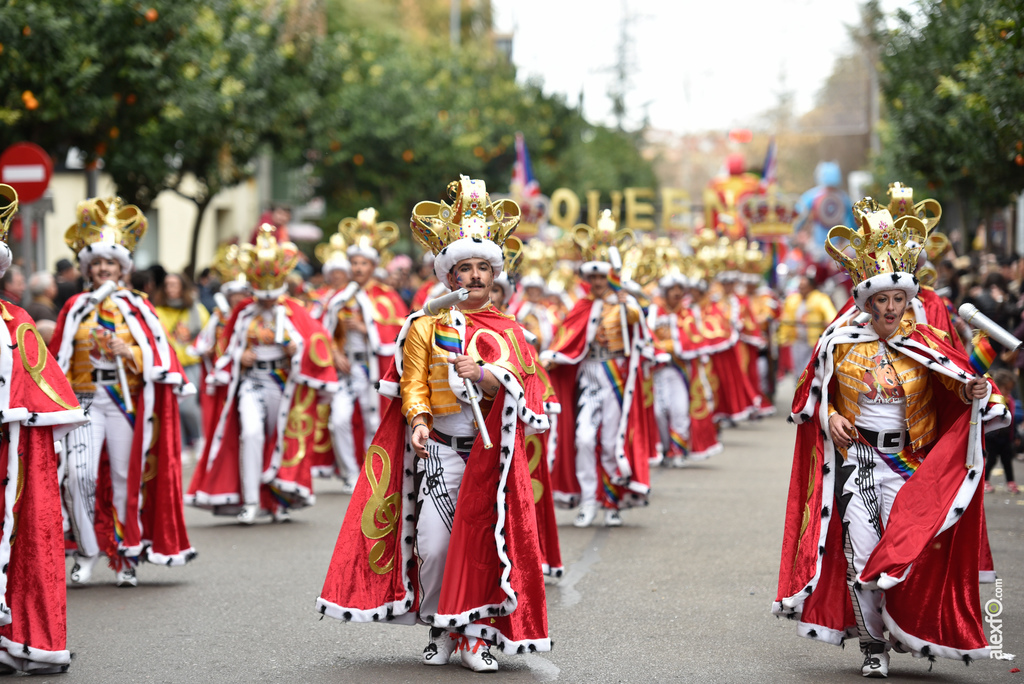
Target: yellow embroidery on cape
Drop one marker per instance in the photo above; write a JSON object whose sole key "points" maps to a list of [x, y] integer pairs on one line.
{"points": [[314, 350], [699, 407], [380, 510], [150, 470], [505, 361], [4, 313], [647, 387], [322, 436], [534, 451], [36, 371], [17, 498], [807, 505], [390, 316], [300, 424]]}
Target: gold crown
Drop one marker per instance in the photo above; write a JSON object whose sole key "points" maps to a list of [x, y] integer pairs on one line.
{"points": [[365, 233], [471, 215], [8, 208], [595, 241], [537, 260], [562, 279], [769, 214], [901, 203], [936, 246], [267, 263], [566, 248], [106, 221], [335, 249], [226, 265], [880, 245], [755, 261], [643, 263]]}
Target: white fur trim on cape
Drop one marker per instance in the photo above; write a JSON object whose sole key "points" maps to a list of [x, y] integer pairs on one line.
{"points": [[24, 658], [816, 406], [514, 408], [107, 250], [468, 248], [882, 282]]}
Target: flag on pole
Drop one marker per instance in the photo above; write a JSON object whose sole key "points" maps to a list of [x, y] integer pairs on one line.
{"points": [[522, 170], [614, 280], [447, 338], [982, 353], [770, 173]]}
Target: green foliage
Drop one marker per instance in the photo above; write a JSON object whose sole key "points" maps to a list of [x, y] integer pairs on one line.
{"points": [[954, 90]]}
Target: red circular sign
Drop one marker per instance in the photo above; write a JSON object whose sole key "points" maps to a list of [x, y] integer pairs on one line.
{"points": [[26, 168]]}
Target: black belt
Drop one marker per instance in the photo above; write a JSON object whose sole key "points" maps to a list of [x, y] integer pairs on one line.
{"points": [[270, 365], [104, 376], [456, 443], [889, 439], [359, 357]]}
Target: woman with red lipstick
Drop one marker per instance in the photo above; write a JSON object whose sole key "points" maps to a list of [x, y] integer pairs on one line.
{"points": [[882, 512]]}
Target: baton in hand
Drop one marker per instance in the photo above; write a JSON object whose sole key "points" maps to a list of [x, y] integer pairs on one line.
{"points": [[102, 292], [616, 261], [436, 306]]}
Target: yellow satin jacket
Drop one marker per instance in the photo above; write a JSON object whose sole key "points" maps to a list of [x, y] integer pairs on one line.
{"points": [[853, 362], [818, 313], [90, 339]]}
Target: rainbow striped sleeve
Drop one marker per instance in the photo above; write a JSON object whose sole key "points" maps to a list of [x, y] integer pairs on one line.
{"points": [[982, 355], [447, 338]]}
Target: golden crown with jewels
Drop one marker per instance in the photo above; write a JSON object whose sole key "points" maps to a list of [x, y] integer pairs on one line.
{"points": [[8, 208], [471, 226], [536, 262], [901, 203], [595, 241], [335, 249], [366, 236], [771, 213], [226, 264], [106, 221], [880, 245], [267, 263]]}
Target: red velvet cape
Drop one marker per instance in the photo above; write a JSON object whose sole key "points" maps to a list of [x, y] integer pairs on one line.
{"points": [[36, 407]]}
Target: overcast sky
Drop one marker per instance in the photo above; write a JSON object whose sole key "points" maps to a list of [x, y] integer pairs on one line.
{"points": [[699, 65]]}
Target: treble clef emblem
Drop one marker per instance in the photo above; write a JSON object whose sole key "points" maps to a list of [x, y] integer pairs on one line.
{"points": [[382, 513]]}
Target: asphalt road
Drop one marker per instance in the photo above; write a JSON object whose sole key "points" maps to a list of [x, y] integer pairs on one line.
{"points": [[681, 593]]}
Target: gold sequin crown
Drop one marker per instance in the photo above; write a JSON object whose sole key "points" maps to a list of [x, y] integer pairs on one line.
{"points": [[268, 263], [335, 249], [106, 221], [901, 203], [594, 241], [366, 236], [8, 208], [879, 244], [471, 215], [536, 261], [226, 266]]}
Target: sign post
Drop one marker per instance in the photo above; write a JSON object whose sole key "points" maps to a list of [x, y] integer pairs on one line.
{"points": [[27, 168]]}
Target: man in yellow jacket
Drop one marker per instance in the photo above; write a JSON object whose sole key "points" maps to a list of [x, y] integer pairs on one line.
{"points": [[805, 315]]}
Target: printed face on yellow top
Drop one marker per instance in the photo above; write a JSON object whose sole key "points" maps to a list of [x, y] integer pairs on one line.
{"points": [[92, 349]]}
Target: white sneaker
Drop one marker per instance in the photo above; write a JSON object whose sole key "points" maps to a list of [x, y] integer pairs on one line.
{"points": [[81, 571], [127, 578], [440, 648], [348, 485], [612, 519], [876, 662], [679, 461], [281, 515], [586, 515], [248, 514], [476, 655]]}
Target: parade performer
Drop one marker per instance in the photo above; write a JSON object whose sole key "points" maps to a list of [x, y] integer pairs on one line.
{"points": [[276, 367], [724, 195], [671, 384], [441, 529], [211, 343], [37, 406], [123, 469], [590, 359], [883, 523], [432, 288], [335, 269], [367, 321], [528, 306], [805, 315]]}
